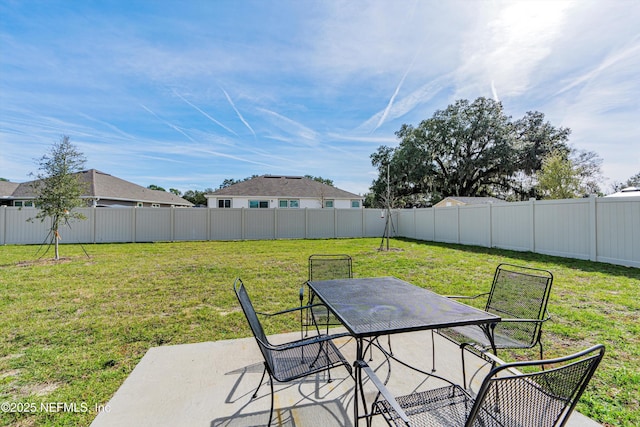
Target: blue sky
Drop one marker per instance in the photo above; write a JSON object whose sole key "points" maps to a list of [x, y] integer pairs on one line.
{"points": [[184, 94]]}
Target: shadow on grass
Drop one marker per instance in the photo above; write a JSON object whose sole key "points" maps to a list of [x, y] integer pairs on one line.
{"points": [[569, 263]]}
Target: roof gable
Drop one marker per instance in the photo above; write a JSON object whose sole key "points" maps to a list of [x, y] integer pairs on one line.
{"points": [[284, 186]]}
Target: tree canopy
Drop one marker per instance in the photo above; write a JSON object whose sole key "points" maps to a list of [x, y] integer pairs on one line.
{"points": [[467, 149]]}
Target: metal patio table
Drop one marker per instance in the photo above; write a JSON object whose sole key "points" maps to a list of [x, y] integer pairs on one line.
{"points": [[373, 307]]}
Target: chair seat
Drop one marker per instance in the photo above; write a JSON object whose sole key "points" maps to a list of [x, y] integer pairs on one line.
{"points": [[305, 359], [446, 406], [476, 335]]}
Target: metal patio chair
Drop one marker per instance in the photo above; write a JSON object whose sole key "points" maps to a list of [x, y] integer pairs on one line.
{"points": [[293, 360], [519, 295], [323, 267], [507, 397]]}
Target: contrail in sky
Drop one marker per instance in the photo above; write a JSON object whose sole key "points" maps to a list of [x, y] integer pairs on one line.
{"points": [[177, 129], [390, 104], [204, 113], [238, 112], [494, 91]]}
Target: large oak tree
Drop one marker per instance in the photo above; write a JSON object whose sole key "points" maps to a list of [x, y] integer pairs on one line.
{"points": [[467, 149]]}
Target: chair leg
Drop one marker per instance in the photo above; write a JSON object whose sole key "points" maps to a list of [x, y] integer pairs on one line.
{"points": [[260, 384], [272, 399], [464, 370], [433, 352]]}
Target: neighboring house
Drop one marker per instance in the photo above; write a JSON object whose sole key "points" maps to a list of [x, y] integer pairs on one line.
{"points": [[275, 191], [627, 192], [463, 201], [102, 190]]}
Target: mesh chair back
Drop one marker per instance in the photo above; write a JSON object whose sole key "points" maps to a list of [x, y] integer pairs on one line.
{"points": [[519, 293], [542, 398], [254, 322], [328, 267]]}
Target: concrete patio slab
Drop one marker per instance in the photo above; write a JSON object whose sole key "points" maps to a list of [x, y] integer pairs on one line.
{"points": [[210, 384]]}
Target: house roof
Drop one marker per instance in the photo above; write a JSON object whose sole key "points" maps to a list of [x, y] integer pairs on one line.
{"points": [[7, 189], [101, 185], [475, 200], [283, 186], [627, 192]]}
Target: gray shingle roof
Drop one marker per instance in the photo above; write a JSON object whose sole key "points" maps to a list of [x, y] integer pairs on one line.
{"points": [[476, 200], [104, 186], [7, 189], [284, 186]]}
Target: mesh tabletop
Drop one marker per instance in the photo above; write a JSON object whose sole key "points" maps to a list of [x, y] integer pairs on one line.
{"points": [[386, 305]]}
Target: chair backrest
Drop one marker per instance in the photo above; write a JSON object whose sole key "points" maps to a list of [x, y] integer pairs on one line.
{"points": [[520, 293], [254, 322], [330, 266], [542, 398]]}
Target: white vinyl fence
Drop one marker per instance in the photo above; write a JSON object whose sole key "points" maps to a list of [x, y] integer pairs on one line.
{"points": [[106, 225], [596, 229]]}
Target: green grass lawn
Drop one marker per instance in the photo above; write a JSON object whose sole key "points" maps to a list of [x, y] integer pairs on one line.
{"points": [[72, 331]]}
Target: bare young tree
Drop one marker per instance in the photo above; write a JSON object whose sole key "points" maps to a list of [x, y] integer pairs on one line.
{"points": [[58, 188]]}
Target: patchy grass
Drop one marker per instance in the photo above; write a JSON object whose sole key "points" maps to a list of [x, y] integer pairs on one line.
{"points": [[72, 331]]}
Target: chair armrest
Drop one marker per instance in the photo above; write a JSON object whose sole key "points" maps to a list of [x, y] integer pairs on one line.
{"points": [[289, 310], [306, 341], [384, 391], [523, 320], [467, 296]]}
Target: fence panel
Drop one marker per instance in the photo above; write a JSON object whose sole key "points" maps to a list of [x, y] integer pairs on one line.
{"points": [[191, 224], [290, 223], [446, 229], [79, 230], [153, 224], [259, 224], [475, 225], [18, 229], [115, 225], [405, 223], [425, 224], [561, 228], [226, 224], [618, 231], [320, 224], [373, 224], [348, 223], [511, 226]]}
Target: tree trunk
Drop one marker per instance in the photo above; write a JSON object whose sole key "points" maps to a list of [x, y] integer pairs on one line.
{"points": [[57, 257]]}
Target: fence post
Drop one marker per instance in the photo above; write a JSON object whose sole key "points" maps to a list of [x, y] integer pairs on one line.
{"points": [[94, 219], [458, 224], [243, 223], [490, 224], [133, 224], [3, 215], [593, 228], [275, 223], [173, 223], [532, 225]]}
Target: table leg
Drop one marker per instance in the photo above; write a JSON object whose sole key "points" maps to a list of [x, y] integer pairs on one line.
{"points": [[357, 383]]}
